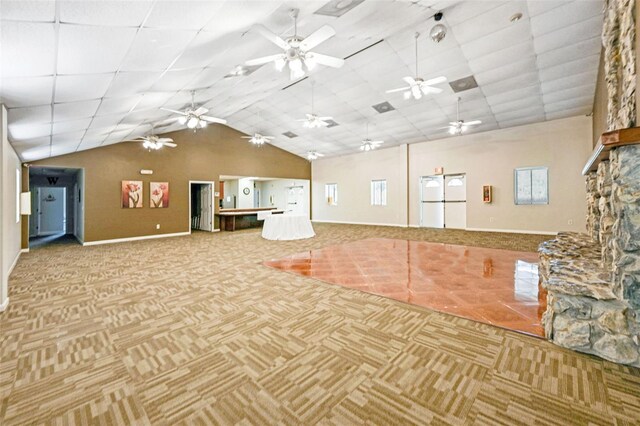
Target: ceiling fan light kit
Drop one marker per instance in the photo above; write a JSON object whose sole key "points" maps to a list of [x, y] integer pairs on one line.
{"points": [[458, 127]]}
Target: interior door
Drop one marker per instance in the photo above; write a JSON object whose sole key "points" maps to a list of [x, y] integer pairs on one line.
{"points": [[51, 210], [295, 200], [455, 199], [432, 201], [207, 208]]}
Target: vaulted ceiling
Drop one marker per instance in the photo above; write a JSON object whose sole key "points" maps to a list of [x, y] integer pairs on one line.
{"points": [[81, 74]]}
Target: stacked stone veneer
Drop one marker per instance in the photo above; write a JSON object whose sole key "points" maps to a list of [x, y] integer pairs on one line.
{"points": [[593, 279]]}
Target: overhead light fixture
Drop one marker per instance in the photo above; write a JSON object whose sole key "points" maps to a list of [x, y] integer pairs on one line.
{"points": [[313, 121], [458, 127], [258, 139], [439, 31], [313, 155], [192, 122], [368, 144], [515, 17]]}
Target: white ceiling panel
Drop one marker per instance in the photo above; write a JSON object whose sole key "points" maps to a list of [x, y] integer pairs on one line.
{"points": [[106, 13], [116, 57], [36, 114], [155, 50], [70, 88], [185, 14], [29, 91], [92, 49], [73, 110], [131, 83], [28, 10], [17, 38]]}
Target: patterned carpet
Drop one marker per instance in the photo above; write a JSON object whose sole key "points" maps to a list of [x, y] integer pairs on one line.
{"points": [[194, 330]]}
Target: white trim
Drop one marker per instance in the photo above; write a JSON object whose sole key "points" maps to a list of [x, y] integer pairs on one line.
{"points": [[213, 202], [4, 305], [124, 240], [360, 223], [512, 231], [15, 262], [24, 250]]}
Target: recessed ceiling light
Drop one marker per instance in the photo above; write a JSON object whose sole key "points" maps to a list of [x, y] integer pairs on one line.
{"points": [[337, 8], [516, 17], [383, 107]]}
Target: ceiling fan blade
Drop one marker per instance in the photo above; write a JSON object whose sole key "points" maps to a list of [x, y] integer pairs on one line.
{"points": [[409, 80], [170, 144], [201, 110], [263, 60], [134, 140], [436, 80], [442, 128], [472, 123], [165, 140], [415, 90], [246, 137], [400, 89], [329, 61], [269, 137], [213, 119], [322, 34], [428, 89], [174, 111], [325, 118], [271, 36]]}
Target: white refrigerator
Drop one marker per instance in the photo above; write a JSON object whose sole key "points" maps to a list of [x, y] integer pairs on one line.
{"points": [[432, 202]]}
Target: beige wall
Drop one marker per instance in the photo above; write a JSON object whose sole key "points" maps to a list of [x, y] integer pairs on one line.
{"points": [[599, 105], [205, 155], [353, 174], [487, 158], [9, 228]]}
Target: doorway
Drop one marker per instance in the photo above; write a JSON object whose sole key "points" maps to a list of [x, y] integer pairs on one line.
{"points": [[201, 196], [295, 200], [57, 200], [443, 201]]}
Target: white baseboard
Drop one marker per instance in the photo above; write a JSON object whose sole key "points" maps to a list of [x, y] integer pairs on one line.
{"points": [[15, 262], [360, 223], [124, 240], [24, 250], [4, 305], [512, 231]]}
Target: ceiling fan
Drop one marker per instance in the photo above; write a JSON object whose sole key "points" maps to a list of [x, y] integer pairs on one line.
{"points": [[313, 121], [458, 127], [417, 86], [368, 144], [153, 142], [297, 55], [195, 118], [258, 139], [313, 155]]}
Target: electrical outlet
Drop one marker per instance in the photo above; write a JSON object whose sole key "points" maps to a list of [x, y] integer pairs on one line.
{"points": [[491, 219], [570, 222], [158, 226]]}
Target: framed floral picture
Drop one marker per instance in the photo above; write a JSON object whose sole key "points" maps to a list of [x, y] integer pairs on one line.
{"points": [[131, 194], [159, 195]]}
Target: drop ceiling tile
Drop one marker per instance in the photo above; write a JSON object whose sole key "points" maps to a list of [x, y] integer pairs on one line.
{"points": [[26, 91], [571, 103], [492, 21], [527, 119], [37, 114], [31, 143], [28, 10], [36, 39], [67, 138], [581, 79], [513, 53], [106, 122], [33, 154], [192, 15], [116, 137], [565, 15], [464, 11], [71, 126], [567, 35], [118, 105], [70, 88], [514, 95], [585, 110], [501, 73], [569, 68], [22, 131], [516, 105], [132, 83], [151, 100], [537, 7], [74, 110], [172, 81], [513, 34], [587, 90], [92, 49], [106, 13], [513, 83], [155, 50], [570, 53], [64, 148], [529, 111]]}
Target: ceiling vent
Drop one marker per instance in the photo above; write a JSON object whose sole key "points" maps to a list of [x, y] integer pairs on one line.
{"points": [[331, 123], [242, 71], [337, 8], [463, 84], [383, 107], [290, 135]]}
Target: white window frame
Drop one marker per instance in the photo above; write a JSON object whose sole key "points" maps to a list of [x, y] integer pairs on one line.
{"points": [[331, 193], [379, 192], [522, 199]]}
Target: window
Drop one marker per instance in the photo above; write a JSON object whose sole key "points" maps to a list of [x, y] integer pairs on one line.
{"points": [[331, 193], [378, 192], [532, 185], [17, 195]]}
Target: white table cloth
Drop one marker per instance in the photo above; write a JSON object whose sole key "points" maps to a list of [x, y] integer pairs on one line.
{"points": [[287, 227]]}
